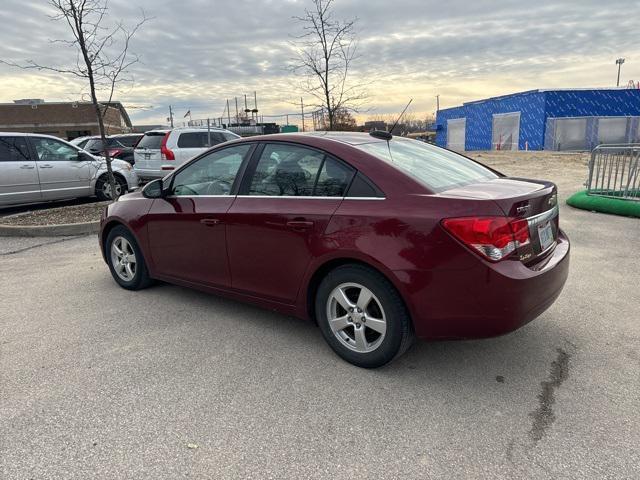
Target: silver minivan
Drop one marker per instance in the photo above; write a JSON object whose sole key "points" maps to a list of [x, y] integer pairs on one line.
{"points": [[35, 168]]}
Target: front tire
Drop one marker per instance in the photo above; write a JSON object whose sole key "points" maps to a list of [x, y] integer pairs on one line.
{"points": [[362, 316], [103, 189], [125, 260]]}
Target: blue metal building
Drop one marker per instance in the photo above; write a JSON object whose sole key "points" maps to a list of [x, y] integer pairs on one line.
{"points": [[543, 119]]}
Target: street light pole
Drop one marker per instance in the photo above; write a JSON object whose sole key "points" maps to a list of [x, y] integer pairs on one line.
{"points": [[619, 62]]}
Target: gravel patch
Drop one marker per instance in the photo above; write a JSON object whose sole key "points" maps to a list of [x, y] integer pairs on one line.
{"points": [[58, 216]]}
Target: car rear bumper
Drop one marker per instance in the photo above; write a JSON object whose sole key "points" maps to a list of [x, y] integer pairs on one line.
{"points": [[151, 174], [485, 300]]}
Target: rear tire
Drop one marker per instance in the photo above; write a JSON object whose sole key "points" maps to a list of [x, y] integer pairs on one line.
{"points": [[362, 316], [125, 260], [103, 189]]}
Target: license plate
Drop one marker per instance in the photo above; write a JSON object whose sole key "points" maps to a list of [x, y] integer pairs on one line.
{"points": [[545, 233], [147, 156]]}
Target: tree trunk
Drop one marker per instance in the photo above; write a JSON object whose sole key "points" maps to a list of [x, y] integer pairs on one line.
{"points": [[94, 100]]}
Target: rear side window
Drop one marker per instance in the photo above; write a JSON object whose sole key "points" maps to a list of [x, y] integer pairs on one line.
{"points": [[438, 169], [200, 139], [13, 149], [334, 179], [292, 171], [151, 141]]}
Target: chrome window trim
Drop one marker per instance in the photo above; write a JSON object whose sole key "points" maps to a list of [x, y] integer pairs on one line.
{"points": [[365, 198], [199, 196], [310, 197], [288, 197]]}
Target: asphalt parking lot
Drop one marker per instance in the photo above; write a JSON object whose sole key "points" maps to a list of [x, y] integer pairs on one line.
{"points": [[99, 382]]}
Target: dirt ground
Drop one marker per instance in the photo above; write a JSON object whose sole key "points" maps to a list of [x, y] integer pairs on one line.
{"points": [[567, 170], [89, 212]]}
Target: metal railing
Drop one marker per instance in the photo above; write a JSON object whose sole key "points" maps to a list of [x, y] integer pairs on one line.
{"points": [[614, 171]]}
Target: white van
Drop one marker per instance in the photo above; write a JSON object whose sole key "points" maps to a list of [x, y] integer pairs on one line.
{"points": [[160, 152]]}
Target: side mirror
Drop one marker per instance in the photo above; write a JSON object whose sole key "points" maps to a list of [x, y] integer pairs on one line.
{"points": [[153, 189]]}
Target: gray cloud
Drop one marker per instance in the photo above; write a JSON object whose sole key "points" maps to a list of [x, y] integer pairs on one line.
{"points": [[197, 53]]}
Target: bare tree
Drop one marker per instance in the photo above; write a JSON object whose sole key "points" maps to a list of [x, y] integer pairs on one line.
{"points": [[102, 56], [326, 50]]}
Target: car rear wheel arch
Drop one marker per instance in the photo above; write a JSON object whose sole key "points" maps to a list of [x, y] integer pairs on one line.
{"points": [[323, 270]]}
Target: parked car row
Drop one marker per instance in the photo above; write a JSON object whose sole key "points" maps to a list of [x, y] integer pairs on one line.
{"points": [[36, 167]]}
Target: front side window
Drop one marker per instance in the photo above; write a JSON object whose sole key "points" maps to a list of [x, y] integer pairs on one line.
{"points": [[50, 150], [212, 174], [289, 170], [13, 149], [438, 169]]}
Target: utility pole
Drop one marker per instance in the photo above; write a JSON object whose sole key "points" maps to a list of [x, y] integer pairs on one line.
{"points": [[437, 103], [302, 108], [619, 62], [228, 113], [237, 119], [171, 116]]}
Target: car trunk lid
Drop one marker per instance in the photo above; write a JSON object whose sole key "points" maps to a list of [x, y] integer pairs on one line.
{"points": [[147, 152]]}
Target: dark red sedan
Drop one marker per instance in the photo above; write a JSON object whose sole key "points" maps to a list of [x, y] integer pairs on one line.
{"points": [[376, 239]]}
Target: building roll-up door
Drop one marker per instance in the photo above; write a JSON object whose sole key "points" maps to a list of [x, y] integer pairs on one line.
{"points": [[506, 131], [456, 131], [612, 130]]}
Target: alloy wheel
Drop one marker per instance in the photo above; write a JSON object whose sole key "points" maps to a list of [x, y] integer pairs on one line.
{"points": [[106, 189], [356, 317], [123, 259]]}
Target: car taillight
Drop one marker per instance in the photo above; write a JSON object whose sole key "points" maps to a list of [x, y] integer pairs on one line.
{"points": [[494, 238], [114, 152], [165, 153]]}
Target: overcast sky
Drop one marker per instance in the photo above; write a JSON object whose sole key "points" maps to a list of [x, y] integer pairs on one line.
{"points": [[194, 54]]}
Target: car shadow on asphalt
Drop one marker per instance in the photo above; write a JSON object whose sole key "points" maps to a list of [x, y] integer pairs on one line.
{"points": [[524, 353]]}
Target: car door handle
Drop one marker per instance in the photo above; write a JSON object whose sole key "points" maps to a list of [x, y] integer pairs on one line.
{"points": [[299, 225], [46, 166], [210, 222], [27, 167]]}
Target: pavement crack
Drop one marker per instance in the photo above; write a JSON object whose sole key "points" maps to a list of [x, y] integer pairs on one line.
{"points": [[544, 416], [31, 247]]}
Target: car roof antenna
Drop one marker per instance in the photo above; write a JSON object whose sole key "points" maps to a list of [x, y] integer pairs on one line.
{"points": [[405, 109], [388, 135]]}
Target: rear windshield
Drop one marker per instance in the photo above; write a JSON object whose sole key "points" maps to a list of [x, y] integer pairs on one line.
{"points": [[438, 169], [128, 140], [151, 140]]}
